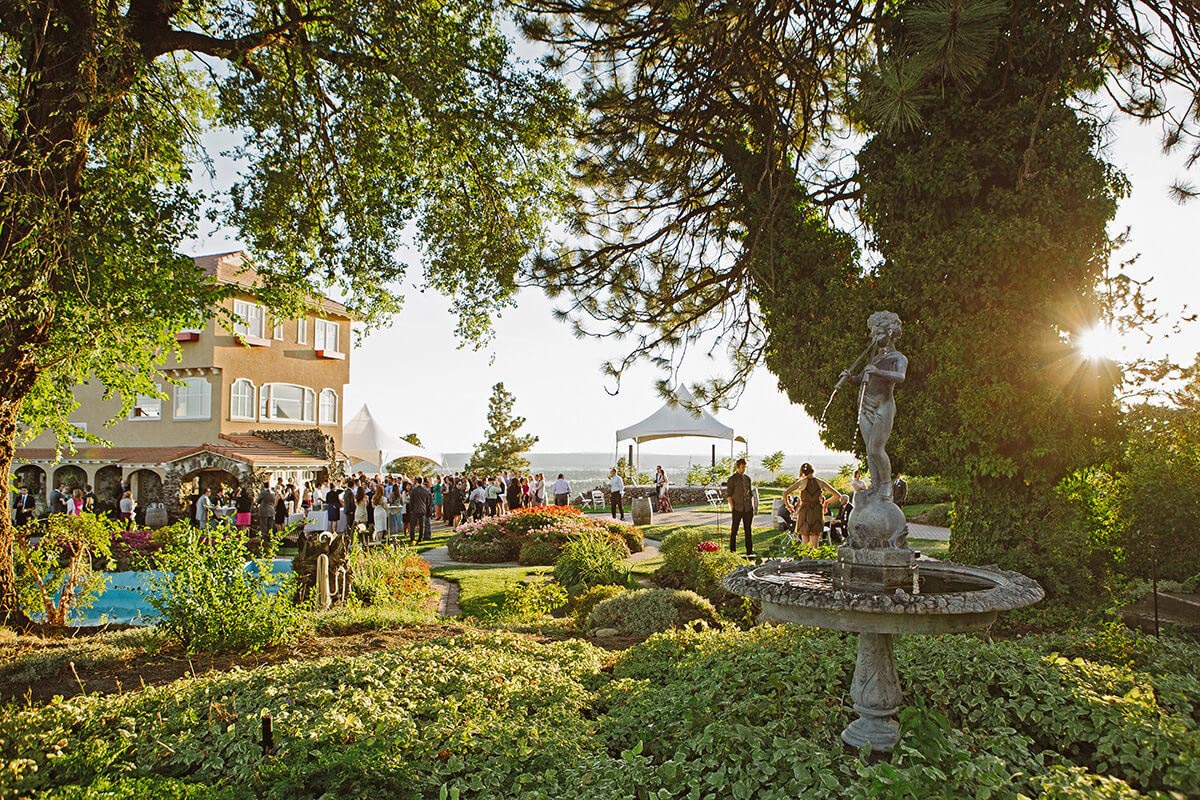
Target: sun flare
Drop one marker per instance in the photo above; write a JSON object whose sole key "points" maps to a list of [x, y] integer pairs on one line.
{"points": [[1100, 343]]}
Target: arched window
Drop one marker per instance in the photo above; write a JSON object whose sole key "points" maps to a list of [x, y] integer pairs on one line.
{"points": [[329, 407], [241, 400], [286, 402]]}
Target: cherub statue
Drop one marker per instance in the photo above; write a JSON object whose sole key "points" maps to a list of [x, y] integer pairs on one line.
{"points": [[877, 403]]}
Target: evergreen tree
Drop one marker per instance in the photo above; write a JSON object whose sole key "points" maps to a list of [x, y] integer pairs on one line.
{"points": [[502, 448]]}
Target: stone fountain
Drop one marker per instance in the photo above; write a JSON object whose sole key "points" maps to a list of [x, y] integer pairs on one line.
{"points": [[877, 587]]}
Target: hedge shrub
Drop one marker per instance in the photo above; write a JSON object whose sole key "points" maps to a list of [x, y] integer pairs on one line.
{"points": [[497, 539], [649, 611], [589, 599]]}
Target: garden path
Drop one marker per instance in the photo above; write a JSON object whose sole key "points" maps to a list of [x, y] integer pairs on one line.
{"points": [[703, 515]]}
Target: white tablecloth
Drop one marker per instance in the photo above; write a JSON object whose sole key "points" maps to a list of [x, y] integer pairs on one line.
{"points": [[313, 521]]}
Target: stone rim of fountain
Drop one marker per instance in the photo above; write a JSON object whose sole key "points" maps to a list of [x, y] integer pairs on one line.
{"points": [[1010, 590]]}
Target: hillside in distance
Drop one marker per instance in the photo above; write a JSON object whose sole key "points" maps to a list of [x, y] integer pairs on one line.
{"points": [[587, 468]]}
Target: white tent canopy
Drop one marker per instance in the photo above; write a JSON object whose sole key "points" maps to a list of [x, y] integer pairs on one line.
{"points": [[364, 439], [675, 419]]}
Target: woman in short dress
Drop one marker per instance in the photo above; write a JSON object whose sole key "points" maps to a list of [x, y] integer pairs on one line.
{"points": [[810, 517]]}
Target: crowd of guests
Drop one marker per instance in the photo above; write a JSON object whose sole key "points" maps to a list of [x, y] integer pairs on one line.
{"points": [[379, 504]]}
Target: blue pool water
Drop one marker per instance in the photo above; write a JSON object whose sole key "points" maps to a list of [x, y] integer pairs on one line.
{"points": [[123, 601]]}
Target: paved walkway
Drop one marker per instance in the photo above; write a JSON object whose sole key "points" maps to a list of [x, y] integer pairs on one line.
{"points": [[721, 521]]}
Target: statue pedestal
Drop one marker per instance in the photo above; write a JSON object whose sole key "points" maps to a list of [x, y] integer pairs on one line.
{"points": [[875, 691], [860, 569]]}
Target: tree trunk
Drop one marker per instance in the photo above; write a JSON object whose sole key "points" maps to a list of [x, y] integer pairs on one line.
{"points": [[10, 609]]}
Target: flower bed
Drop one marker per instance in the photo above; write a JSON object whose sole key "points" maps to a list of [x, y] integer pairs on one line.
{"points": [[550, 528]]}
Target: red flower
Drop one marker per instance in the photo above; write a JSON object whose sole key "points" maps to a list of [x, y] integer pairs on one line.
{"points": [[707, 547]]}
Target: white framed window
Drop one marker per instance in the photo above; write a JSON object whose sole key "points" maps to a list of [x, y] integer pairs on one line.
{"points": [[325, 335], [278, 332], [82, 426], [241, 400], [193, 399], [251, 319], [302, 330], [329, 407], [146, 408], [287, 402]]}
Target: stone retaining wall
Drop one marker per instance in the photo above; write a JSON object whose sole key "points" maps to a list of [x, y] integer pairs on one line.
{"points": [[680, 495]]}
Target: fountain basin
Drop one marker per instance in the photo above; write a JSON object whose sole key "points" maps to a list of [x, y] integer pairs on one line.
{"points": [[950, 598]]}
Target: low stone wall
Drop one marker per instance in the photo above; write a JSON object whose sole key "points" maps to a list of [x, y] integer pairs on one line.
{"points": [[680, 495]]}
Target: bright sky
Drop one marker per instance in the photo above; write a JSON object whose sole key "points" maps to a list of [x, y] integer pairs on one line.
{"points": [[416, 380]]}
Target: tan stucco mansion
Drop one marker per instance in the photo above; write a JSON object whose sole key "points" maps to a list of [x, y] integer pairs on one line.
{"points": [[261, 400]]}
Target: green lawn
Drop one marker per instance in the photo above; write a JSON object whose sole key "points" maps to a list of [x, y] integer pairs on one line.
{"points": [[481, 586]]}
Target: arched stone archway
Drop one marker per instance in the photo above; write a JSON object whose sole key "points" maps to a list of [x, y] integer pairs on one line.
{"points": [[200, 470], [107, 488], [73, 476], [147, 487]]}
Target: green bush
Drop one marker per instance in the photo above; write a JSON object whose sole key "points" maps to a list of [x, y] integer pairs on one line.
{"points": [[390, 576], [63, 572], [538, 554], [922, 490], [212, 595], [938, 515], [649, 611], [590, 562], [588, 600], [480, 552], [1156, 494], [525, 601], [632, 535], [684, 567]]}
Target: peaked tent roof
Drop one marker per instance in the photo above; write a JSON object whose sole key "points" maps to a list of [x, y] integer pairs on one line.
{"points": [[364, 439], [673, 419]]}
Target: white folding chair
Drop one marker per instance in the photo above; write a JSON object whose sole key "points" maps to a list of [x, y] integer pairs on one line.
{"points": [[584, 500], [597, 499], [713, 497]]}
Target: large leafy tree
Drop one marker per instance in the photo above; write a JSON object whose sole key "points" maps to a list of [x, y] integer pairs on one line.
{"points": [[502, 448], [762, 175], [363, 124]]}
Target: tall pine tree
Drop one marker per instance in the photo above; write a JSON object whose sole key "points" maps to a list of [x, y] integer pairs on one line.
{"points": [[502, 448]]}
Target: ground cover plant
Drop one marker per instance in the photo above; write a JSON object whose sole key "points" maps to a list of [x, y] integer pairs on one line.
{"points": [[541, 531], [716, 714]]}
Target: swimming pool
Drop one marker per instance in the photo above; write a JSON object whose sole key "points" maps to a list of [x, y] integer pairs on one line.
{"points": [[123, 602]]}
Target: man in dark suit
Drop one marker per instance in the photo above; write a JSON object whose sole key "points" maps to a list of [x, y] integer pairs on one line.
{"points": [[25, 506], [739, 491], [420, 507]]}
